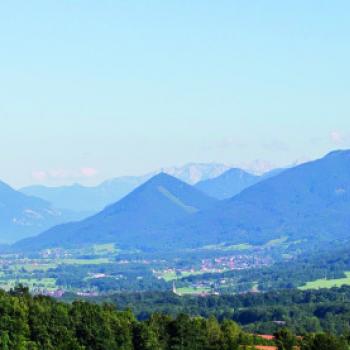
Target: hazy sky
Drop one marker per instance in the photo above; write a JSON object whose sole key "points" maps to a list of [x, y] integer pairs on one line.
{"points": [[96, 89]]}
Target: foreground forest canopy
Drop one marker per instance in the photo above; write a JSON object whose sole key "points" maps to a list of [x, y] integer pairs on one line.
{"points": [[310, 311], [40, 322]]}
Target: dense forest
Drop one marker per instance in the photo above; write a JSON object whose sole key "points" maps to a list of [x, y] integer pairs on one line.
{"points": [[39, 322], [326, 310]]}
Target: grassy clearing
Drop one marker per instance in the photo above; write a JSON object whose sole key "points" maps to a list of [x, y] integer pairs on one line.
{"points": [[275, 242], [98, 261], [177, 201], [226, 248], [34, 267], [243, 246], [324, 283], [171, 276], [192, 290], [103, 249], [45, 265]]}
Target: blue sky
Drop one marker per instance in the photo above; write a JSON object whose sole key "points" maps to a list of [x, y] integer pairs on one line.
{"points": [[95, 89]]}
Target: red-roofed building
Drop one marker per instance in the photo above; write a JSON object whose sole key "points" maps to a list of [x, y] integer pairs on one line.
{"points": [[266, 336]]}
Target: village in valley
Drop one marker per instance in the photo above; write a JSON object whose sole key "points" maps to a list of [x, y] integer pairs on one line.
{"points": [[100, 269]]}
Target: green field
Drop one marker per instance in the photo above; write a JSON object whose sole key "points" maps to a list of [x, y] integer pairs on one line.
{"points": [[275, 242], [105, 249], [34, 267], [324, 283], [46, 283], [46, 264], [171, 276], [191, 290], [227, 248], [98, 261], [242, 246]]}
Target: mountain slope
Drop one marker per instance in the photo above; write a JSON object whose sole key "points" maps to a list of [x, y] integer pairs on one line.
{"points": [[22, 215], [310, 201], [132, 222], [228, 184]]}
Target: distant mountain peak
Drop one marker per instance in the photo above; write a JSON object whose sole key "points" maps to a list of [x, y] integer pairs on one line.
{"points": [[162, 176], [228, 184], [236, 171], [194, 172]]}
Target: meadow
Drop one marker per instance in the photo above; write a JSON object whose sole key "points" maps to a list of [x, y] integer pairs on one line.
{"points": [[328, 283]]}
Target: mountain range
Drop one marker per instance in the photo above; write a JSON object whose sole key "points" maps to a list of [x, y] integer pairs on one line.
{"points": [[309, 201], [90, 200], [134, 221]]}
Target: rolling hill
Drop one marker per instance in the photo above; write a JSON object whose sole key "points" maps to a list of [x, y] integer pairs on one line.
{"points": [[132, 222]]}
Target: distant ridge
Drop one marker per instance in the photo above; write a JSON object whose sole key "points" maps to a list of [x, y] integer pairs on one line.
{"points": [[310, 201], [22, 216], [87, 199], [133, 221], [232, 182], [90, 200], [228, 184]]}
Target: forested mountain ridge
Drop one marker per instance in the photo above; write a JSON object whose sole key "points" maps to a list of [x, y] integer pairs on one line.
{"points": [[309, 201]]}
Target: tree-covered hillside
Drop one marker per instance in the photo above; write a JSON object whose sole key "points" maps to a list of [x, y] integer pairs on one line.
{"points": [[33, 323]]}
